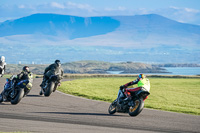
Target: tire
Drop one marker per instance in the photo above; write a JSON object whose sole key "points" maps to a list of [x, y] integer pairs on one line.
{"points": [[112, 107], [1, 98], [18, 97], [135, 110], [49, 89]]}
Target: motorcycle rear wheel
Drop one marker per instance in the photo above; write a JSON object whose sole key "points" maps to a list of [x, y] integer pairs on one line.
{"points": [[135, 110], [113, 107]]}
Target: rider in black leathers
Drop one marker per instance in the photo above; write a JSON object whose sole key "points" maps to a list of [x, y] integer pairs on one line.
{"points": [[24, 75], [53, 69]]}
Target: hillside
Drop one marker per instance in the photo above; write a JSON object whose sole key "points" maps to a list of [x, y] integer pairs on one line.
{"points": [[94, 67], [70, 27], [91, 67]]}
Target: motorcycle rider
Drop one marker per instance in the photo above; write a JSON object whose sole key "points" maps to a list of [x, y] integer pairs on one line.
{"points": [[2, 66], [142, 82], [53, 69], [24, 75]]}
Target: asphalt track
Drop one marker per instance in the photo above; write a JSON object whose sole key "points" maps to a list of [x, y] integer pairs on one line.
{"points": [[65, 113]]}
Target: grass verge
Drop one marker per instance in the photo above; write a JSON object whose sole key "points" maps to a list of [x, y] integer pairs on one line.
{"points": [[169, 94]]}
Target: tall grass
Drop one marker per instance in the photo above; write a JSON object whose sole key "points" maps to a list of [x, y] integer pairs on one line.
{"points": [[170, 94]]}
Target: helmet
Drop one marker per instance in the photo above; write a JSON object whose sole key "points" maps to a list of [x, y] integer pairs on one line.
{"points": [[141, 76], [26, 69], [57, 62], [2, 58]]}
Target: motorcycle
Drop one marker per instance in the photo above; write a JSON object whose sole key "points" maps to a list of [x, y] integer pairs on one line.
{"points": [[134, 105], [50, 85], [13, 93]]}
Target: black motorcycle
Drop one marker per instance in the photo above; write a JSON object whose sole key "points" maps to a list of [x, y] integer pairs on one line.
{"points": [[134, 105], [50, 85], [13, 92]]}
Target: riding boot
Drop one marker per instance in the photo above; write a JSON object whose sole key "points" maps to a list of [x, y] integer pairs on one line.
{"points": [[43, 82], [41, 92]]}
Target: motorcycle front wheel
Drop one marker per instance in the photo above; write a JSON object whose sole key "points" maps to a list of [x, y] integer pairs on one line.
{"points": [[49, 89], [137, 108], [17, 98], [112, 107]]}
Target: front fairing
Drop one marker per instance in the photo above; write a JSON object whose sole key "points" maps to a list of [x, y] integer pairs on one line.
{"points": [[22, 84]]}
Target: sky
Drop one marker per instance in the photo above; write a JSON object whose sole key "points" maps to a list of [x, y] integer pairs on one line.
{"points": [[185, 11]]}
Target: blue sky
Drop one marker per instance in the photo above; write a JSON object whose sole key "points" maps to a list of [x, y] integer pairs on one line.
{"points": [[150, 4], [186, 11]]}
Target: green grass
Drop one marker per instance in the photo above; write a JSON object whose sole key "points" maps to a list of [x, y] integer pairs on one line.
{"points": [[170, 94]]}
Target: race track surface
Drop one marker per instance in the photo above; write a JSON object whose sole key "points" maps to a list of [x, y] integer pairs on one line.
{"points": [[65, 113]]}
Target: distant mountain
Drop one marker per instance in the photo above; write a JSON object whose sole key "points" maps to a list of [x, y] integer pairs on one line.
{"points": [[145, 27], [53, 24], [41, 38]]}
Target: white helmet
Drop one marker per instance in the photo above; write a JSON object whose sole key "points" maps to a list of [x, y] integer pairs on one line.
{"points": [[2, 58]]}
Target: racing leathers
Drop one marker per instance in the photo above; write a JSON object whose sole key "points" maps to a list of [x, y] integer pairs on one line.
{"points": [[26, 75], [15, 79], [143, 84], [52, 69]]}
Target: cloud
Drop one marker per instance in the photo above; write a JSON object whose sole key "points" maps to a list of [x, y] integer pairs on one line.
{"points": [[184, 15], [189, 10], [80, 6], [57, 5], [120, 8], [70, 5], [21, 6]]}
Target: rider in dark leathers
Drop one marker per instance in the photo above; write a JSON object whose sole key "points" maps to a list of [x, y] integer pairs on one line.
{"points": [[24, 75], [53, 69]]}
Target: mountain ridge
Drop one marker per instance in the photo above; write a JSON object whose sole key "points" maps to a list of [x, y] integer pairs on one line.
{"points": [[141, 38], [136, 30], [52, 24]]}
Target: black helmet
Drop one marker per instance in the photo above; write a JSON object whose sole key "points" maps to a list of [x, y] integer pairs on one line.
{"points": [[57, 62], [26, 69]]}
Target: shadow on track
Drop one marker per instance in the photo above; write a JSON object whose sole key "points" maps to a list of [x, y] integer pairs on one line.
{"points": [[70, 113], [34, 96]]}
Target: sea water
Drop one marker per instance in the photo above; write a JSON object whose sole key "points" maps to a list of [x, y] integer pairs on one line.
{"points": [[170, 71]]}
